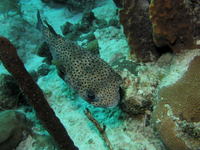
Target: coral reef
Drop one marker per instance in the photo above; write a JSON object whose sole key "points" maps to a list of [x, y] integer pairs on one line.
{"points": [[176, 23], [178, 107], [134, 16], [87, 19], [140, 89], [12, 125], [44, 112], [42, 142], [43, 70], [80, 5], [10, 5], [121, 63], [11, 96], [9, 92], [73, 5], [37, 142], [88, 24], [65, 28]]}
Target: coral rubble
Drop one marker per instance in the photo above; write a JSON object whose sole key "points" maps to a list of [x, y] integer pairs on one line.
{"points": [[178, 107], [175, 23]]}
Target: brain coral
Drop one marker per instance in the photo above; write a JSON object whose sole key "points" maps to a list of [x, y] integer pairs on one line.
{"points": [[179, 104], [176, 23]]}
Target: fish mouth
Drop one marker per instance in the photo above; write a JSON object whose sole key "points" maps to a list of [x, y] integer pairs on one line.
{"points": [[110, 105], [113, 105]]}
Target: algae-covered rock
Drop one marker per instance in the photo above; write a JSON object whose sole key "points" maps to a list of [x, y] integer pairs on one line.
{"points": [[80, 5], [12, 125], [102, 23], [114, 22], [43, 70], [88, 18], [7, 6], [121, 63], [66, 28], [43, 142], [9, 92]]}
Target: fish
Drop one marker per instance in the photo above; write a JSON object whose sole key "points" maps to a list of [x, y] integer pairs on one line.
{"points": [[84, 71]]}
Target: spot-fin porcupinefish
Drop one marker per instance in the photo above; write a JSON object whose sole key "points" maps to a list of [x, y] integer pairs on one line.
{"points": [[87, 74]]}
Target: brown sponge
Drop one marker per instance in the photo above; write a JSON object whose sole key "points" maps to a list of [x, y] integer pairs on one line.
{"points": [[134, 16]]}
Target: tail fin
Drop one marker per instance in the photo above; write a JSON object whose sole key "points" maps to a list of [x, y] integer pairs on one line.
{"points": [[39, 22]]}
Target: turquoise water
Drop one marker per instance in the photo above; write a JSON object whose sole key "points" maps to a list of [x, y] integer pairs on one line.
{"points": [[129, 125]]}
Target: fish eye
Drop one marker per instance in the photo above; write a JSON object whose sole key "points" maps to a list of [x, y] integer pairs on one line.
{"points": [[90, 95]]}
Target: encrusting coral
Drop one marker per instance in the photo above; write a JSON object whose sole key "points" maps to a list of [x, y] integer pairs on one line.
{"points": [[178, 108], [175, 23], [35, 97]]}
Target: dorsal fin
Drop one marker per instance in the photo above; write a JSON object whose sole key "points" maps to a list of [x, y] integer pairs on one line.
{"points": [[39, 21], [50, 27]]}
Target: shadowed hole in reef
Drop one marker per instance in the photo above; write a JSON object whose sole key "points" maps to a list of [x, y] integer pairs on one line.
{"points": [[164, 49]]}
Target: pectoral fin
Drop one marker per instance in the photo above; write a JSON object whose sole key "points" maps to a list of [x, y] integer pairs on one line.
{"points": [[93, 47], [60, 67]]}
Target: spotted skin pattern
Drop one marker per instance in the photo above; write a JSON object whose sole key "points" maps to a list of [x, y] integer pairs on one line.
{"points": [[90, 76]]}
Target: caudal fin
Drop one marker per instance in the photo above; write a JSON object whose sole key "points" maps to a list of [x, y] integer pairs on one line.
{"points": [[39, 21]]}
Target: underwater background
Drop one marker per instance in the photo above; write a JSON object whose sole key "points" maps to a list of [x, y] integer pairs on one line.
{"points": [[153, 45]]}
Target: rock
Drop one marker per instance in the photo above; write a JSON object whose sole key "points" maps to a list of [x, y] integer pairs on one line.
{"points": [[12, 125], [43, 70], [9, 92]]}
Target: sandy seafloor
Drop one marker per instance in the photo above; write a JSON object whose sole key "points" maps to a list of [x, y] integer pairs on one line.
{"points": [[124, 133]]}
